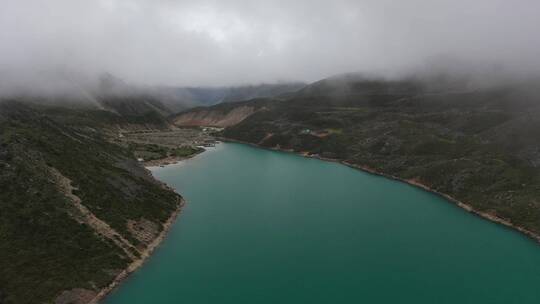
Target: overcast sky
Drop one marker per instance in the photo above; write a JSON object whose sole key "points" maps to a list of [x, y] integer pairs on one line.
{"points": [[223, 42]]}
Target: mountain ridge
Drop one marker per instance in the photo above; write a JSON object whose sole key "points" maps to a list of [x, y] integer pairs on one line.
{"points": [[476, 144]]}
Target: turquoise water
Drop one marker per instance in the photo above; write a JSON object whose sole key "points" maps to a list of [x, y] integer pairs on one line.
{"points": [[270, 227]]}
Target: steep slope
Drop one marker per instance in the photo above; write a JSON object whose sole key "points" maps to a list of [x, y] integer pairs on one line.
{"points": [[133, 106], [137, 110], [75, 210], [479, 146], [222, 115], [132, 102]]}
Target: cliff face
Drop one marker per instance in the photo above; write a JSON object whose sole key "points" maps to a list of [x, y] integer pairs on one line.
{"points": [[75, 210]]}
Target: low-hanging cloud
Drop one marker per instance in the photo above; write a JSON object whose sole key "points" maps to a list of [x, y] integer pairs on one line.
{"points": [[218, 42]]}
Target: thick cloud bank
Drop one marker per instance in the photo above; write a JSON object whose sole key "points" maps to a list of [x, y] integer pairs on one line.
{"points": [[220, 42]]}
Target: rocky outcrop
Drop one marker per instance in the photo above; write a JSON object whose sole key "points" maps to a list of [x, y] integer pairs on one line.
{"points": [[143, 230], [214, 117], [84, 216], [76, 296]]}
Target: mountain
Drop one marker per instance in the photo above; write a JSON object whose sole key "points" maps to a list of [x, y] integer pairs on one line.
{"points": [[76, 210], [123, 102], [250, 92], [183, 98], [72, 89], [476, 144], [220, 115]]}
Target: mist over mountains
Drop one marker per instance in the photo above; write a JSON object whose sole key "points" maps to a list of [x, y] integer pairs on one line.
{"points": [[105, 91], [212, 43], [188, 54]]}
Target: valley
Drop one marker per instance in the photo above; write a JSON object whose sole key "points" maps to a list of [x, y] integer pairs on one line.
{"points": [[263, 152], [74, 176]]}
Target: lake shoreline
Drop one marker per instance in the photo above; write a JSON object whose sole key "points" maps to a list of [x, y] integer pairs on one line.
{"points": [[169, 160], [136, 265], [415, 183], [147, 253]]}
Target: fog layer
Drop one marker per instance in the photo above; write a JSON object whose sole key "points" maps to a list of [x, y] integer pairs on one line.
{"points": [[204, 42]]}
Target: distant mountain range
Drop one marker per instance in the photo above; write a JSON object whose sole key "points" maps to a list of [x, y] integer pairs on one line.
{"points": [[71, 89], [178, 99], [113, 94]]}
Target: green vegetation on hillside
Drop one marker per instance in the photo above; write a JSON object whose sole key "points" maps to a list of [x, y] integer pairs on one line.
{"points": [[481, 147], [45, 250], [152, 151]]}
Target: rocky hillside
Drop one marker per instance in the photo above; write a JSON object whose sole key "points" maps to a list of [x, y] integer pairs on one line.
{"points": [[222, 115], [478, 144], [75, 210]]}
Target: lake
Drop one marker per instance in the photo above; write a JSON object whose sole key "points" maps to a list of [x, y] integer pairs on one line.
{"points": [[270, 227]]}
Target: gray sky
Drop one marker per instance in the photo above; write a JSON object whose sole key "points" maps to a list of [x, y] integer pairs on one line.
{"points": [[204, 42]]}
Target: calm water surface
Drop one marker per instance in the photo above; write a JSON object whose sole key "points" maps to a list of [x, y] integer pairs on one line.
{"points": [[269, 227]]}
